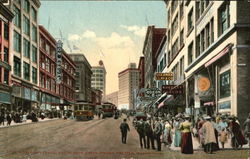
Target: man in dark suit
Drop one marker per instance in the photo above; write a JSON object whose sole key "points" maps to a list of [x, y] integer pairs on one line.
{"points": [[158, 132], [124, 129]]}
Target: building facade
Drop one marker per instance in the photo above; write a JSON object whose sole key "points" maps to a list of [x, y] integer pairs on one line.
{"points": [[151, 44], [113, 98], [96, 96], [208, 45], [6, 17], [83, 77], [128, 85], [53, 93], [24, 58], [98, 79], [141, 72]]}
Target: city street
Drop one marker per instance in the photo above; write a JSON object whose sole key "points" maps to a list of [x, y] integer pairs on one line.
{"points": [[66, 139]]}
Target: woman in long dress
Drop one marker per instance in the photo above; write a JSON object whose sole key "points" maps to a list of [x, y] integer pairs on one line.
{"points": [[177, 133], [167, 139], [186, 138]]}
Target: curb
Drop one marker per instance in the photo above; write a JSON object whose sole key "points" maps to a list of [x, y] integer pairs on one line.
{"points": [[21, 124]]}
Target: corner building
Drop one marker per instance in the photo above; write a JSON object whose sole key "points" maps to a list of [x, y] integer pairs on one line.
{"points": [[24, 57], [208, 45]]}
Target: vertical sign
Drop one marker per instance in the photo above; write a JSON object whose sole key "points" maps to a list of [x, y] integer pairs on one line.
{"points": [[59, 45]]}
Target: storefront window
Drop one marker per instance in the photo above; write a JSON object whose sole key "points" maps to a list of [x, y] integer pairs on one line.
{"points": [[225, 84]]}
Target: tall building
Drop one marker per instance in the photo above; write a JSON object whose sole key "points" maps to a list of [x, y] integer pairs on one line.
{"points": [[83, 77], [113, 98], [6, 17], [151, 44], [98, 79], [128, 84], [24, 54], [208, 44], [52, 92]]}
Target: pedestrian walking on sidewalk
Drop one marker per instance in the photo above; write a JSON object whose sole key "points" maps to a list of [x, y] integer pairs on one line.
{"points": [[167, 136], [9, 119], [149, 134], [186, 137], [2, 119], [247, 128], [209, 135], [141, 132], [223, 137], [238, 138], [158, 131], [124, 129], [177, 133]]}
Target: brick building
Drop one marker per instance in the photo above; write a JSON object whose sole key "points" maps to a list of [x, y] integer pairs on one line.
{"points": [[6, 17], [151, 44], [141, 72], [53, 93]]}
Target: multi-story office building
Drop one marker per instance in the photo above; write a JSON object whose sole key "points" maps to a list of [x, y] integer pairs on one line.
{"points": [[6, 17], [151, 44], [83, 77], [113, 98], [208, 44], [54, 93], [98, 79], [96, 96], [24, 58], [128, 84]]}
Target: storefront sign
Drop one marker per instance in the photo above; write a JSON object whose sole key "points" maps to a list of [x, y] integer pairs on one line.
{"points": [[152, 92], [164, 76], [172, 89], [203, 84], [224, 105], [59, 46]]}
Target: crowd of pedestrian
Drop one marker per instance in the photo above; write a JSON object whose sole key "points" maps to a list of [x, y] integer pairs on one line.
{"points": [[179, 131]]}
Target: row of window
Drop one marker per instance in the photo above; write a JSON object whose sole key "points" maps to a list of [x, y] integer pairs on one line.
{"points": [[47, 64], [26, 70], [47, 47]]}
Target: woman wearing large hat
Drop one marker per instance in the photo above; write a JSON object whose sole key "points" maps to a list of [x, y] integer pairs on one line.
{"points": [[186, 138]]}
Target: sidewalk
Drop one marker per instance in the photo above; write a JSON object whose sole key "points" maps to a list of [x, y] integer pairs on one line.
{"points": [[197, 148], [13, 124]]}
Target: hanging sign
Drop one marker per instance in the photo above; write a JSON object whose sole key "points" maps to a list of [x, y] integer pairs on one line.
{"points": [[59, 45], [163, 76], [203, 84]]}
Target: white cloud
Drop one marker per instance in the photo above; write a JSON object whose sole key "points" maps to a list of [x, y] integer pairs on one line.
{"points": [[137, 30], [114, 41], [89, 34], [74, 37]]}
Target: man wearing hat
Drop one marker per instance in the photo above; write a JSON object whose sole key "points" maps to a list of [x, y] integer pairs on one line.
{"points": [[209, 135], [158, 132]]}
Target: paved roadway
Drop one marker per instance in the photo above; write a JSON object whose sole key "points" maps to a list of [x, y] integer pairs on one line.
{"points": [[96, 139]]}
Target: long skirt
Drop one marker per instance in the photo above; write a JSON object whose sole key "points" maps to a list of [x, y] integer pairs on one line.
{"points": [[177, 138], [186, 143]]}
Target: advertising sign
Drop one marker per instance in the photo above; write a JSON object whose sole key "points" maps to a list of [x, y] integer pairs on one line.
{"points": [[59, 45], [152, 92], [172, 89], [163, 76]]}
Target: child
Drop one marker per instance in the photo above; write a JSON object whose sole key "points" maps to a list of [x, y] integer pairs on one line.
{"points": [[223, 137]]}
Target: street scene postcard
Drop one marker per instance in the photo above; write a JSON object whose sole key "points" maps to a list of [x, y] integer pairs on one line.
{"points": [[124, 79]]}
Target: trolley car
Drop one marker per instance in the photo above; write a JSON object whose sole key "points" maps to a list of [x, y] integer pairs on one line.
{"points": [[84, 111]]}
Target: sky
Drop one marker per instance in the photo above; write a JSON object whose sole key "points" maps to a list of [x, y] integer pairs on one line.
{"points": [[111, 31]]}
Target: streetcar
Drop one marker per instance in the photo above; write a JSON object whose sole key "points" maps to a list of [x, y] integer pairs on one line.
{"points": [[84, 111], [108, 109]]}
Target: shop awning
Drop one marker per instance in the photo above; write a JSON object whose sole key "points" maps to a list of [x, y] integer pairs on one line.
{"points": [[219, 55]]}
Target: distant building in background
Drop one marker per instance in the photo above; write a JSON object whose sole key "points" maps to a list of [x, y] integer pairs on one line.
{"points": [[151, 44], [24, 54], [128, 83], [5, 60], [96, 96], [98, 79], [112, 98], [83, 77]]}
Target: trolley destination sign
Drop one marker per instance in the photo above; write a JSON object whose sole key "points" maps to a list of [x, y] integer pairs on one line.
{"points": [[163, 76]]}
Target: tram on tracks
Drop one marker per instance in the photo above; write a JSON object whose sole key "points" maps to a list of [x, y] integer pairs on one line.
{"points": [[84, 111], [108, 109]]}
